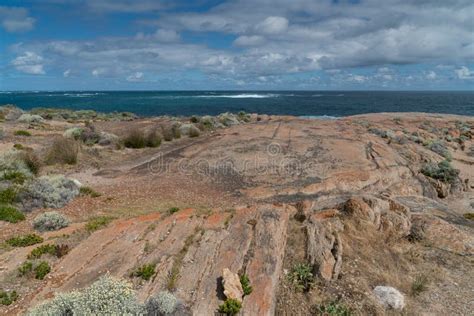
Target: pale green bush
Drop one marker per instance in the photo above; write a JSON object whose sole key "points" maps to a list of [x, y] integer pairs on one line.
{"points": [[106, 296], [49, 191], [164, 303], [12, 162], [74, 132], [50, 221], [30, 118]]}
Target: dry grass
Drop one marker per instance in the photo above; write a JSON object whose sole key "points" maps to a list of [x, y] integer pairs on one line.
{"points": [[63, 151]]}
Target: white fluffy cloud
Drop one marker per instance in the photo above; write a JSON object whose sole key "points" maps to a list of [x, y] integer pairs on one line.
{"points": [[273, 25], [30, 63], [15, 19], [464, 73], [135, 77]]}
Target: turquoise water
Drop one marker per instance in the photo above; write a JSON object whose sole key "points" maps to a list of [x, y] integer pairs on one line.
{"points": [[298, 103]]}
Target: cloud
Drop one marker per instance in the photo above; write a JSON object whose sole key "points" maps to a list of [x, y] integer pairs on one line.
{"points": [[431, 75], [30, 63], [67, 73], [464, 73], [252, 40], [165, 35], [16, 19], [136, 77], [132, 6], [273, 25]]}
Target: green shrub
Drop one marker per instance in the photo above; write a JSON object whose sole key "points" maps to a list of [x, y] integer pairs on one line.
{"points": [[38, 252], [145, 272], [7, 298], [97, 223], [24, 241], [106, 296], [10, 214], [50, 221], [194, 119], [7, 196], [245, 282], [14, 176], [135, 138], [164, 303], [22, 133], [301, 276], [85, 190], [442, 171], [18, 146], [333, 309], [230, 307], [153, 139], [469, 216], [25, 268], [41, 270], [173, 210], [63, 151], [419, 285]]}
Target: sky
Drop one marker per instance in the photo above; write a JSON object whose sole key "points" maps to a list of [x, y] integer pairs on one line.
{"points": [[240, 44]]}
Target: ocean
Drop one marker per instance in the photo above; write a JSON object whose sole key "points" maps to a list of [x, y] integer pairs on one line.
{"points": [[299, 103]]}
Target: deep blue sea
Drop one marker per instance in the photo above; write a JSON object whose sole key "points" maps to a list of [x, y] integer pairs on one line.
{"points": [[298, 103]]}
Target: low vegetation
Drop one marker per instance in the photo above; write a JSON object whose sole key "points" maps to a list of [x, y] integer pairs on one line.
{"points": [[137, 138], [146, 271], [173, 210], [245, 282], [469, 216], [53, 250], [50, 191], [442, 171], [164, 303], [11, 214], [50, 221], [22, 133], [97, 223], [106, 296], [334, 308], [24, 241], [419, 285], [85, 190], [230, 307], [63, 151], [301, 276], [7, 298], [41, 270]]}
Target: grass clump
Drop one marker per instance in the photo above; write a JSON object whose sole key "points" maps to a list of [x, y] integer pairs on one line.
{"points": [[146, 271], [97, 223], [38, 252], [135, 138], [24, 241], [469, 216], [442, 171], [245, 282], [153, 139], [333, 309], [11, 214], [31, 161], [301, 276], [178, 261], [63, 151], [171, 132], [7, 298], [25, 268], [14, 176], [419, 285], [7, 196], [50, 221], [85, 190], [41, 270], [22, 133], [230, 307], [173, 210]]}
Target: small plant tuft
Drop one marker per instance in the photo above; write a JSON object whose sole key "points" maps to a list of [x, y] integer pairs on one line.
{"points": [[7, 196], [134, 139], [38, 252], [419, 284], [11, 214], [469, 216], [63, 151], [164, 303], [443, 171], [302, 276], [7, 298], [85, 190], [22, 133], [97, 223], [245, 282], [230, 307], [41, 270], [24, 241], [25, 268], [334, 308], [173, 210], [146, 271]]}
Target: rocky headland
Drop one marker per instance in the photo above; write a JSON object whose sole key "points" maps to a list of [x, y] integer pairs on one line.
{"points": [[238, 213]]}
